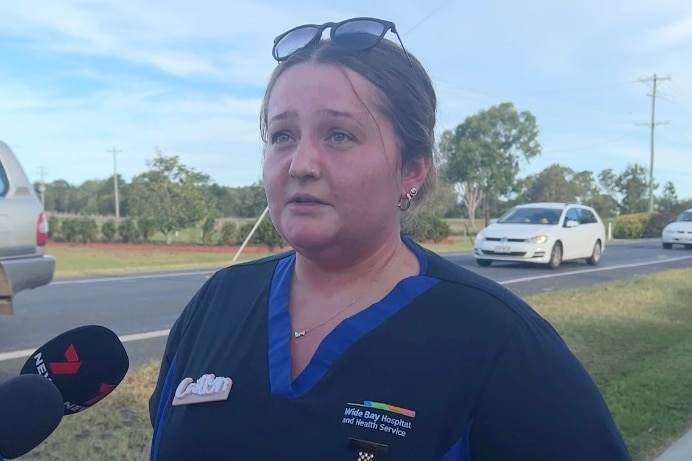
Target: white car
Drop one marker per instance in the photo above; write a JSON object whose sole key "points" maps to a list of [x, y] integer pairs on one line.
{"points": [[679, 231], [543, 233]]}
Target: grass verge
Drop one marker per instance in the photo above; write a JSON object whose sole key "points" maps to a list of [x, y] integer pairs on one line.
{"points": [[76, 261], [84, 261], [634, 336]]}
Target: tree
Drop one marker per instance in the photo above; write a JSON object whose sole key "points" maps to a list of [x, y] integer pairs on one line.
{"points": [[485, 152], [607, 179], [556, 183], [472, 195], [669, 198], [443, 200], [633, 186], [172, 195]]}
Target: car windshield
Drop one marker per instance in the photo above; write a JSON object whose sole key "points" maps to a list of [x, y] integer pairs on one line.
{"points": [[531, 216], [685, 216]]}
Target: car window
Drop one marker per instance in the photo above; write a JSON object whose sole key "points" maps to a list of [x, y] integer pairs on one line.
{"points": [[3, 182], [586, 216], [530, 216], [685, 216], [572, 215]]}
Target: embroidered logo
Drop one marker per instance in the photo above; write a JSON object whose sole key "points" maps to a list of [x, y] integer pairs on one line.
{"points": [[378, 416], [208, 388]]}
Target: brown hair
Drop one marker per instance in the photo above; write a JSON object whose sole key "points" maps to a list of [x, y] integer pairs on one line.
{"points": [[404, 94]]}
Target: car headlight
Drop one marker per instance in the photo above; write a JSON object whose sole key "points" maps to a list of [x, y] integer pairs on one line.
{"points": [[537, 239], [480, 237]]}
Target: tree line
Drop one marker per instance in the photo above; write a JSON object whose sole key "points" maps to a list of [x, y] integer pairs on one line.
{"points": [[480, 162]]}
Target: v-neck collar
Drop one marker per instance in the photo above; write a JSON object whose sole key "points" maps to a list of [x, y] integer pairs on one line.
{"points": [[347, 332]]}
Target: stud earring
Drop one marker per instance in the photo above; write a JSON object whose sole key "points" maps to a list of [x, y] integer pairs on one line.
{"points": [[405, 203]]}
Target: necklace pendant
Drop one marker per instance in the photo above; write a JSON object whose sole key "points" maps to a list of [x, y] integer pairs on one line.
{"points": [[298, 334]]}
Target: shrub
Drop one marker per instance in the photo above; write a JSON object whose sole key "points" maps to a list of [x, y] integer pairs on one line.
{"points": [[207, 230], [128, 230], [84, 230], [146, 228], [108, 230], [630, 226], [657, 221], [427, 227], [54, 228], [88, 230], [265, 234], [229, 233]]}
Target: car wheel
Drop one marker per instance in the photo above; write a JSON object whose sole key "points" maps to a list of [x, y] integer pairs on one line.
{"points": [[667, 246], [595, 254], [555, 256], [484, 262]]}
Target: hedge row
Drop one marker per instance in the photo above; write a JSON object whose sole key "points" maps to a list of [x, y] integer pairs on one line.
{"points": [[127, 230], [641, 225]]}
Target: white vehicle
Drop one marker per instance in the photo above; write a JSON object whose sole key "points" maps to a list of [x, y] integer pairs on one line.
{"points": [[679, 231], [543, 233], [23, 233]]}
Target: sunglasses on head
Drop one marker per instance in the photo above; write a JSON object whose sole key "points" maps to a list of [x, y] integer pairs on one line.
{"points": [[356, 34]]}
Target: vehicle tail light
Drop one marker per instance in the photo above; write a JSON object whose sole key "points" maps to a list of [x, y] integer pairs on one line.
{"points": [[42, 230]]}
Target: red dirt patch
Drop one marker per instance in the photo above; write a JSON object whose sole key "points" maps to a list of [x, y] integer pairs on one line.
{"points": [[161, 247]]}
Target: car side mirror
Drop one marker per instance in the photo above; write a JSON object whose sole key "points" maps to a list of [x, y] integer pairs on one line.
{"points": [[571, 223], [493, 221]]}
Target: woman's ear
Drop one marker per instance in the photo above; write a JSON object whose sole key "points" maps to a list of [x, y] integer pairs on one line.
{"points": [[414, 172]]}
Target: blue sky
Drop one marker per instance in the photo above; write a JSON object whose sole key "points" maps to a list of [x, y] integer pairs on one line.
{"points": [[79, 77]]}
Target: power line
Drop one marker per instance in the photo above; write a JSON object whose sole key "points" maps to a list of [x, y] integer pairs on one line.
{"points": [[115, 182], [425, 18], [655, 79]]}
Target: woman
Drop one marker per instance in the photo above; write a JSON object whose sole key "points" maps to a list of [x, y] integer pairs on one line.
{"points": [[360, 344]]}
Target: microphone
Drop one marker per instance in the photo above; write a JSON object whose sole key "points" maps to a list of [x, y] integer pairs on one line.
{"points": [[85, 364], [31, 407]]}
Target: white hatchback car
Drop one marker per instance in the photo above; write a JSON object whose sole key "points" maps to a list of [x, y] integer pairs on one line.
{"points": [[543, 233], [679, 231]]}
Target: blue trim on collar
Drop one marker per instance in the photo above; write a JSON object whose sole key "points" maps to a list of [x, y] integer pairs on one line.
{"points": [[340, 338]]}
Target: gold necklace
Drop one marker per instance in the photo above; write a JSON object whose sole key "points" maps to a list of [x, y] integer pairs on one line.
{"points": [[300, 333]]}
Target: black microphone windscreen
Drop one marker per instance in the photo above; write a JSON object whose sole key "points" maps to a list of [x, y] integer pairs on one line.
{"points": [[85, 364], [31, 407]]}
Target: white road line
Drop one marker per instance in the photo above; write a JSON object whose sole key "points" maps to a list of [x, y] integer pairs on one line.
{"points": [[129, 277], [26, 353], [587, 271]]}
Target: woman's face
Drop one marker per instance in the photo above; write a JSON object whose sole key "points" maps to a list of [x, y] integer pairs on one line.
{"points": [[331, 165]]}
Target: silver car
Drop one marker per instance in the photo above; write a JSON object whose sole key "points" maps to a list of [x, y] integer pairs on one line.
{"points": [[23, 233]]}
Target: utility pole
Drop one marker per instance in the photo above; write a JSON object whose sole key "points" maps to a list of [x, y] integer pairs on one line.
{"points": [[42, 185], [652, 125], [115, 183]]}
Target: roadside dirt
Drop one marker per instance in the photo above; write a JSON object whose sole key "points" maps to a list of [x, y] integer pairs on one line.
{"points": [[160, 247]]}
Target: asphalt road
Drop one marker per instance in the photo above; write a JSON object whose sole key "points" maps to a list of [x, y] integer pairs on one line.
{"points": [[141, 308]]}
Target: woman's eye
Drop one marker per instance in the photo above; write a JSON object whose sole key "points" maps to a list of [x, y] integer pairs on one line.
{"points": [[339, 137], [280, 137]]}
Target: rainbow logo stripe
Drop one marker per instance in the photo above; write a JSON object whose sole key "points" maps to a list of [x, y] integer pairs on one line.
{"points": [[386, 407]]}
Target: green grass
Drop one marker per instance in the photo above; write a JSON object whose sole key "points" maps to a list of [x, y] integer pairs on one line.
{"points": [[78, 260], [82, 261], [634, 336]]}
